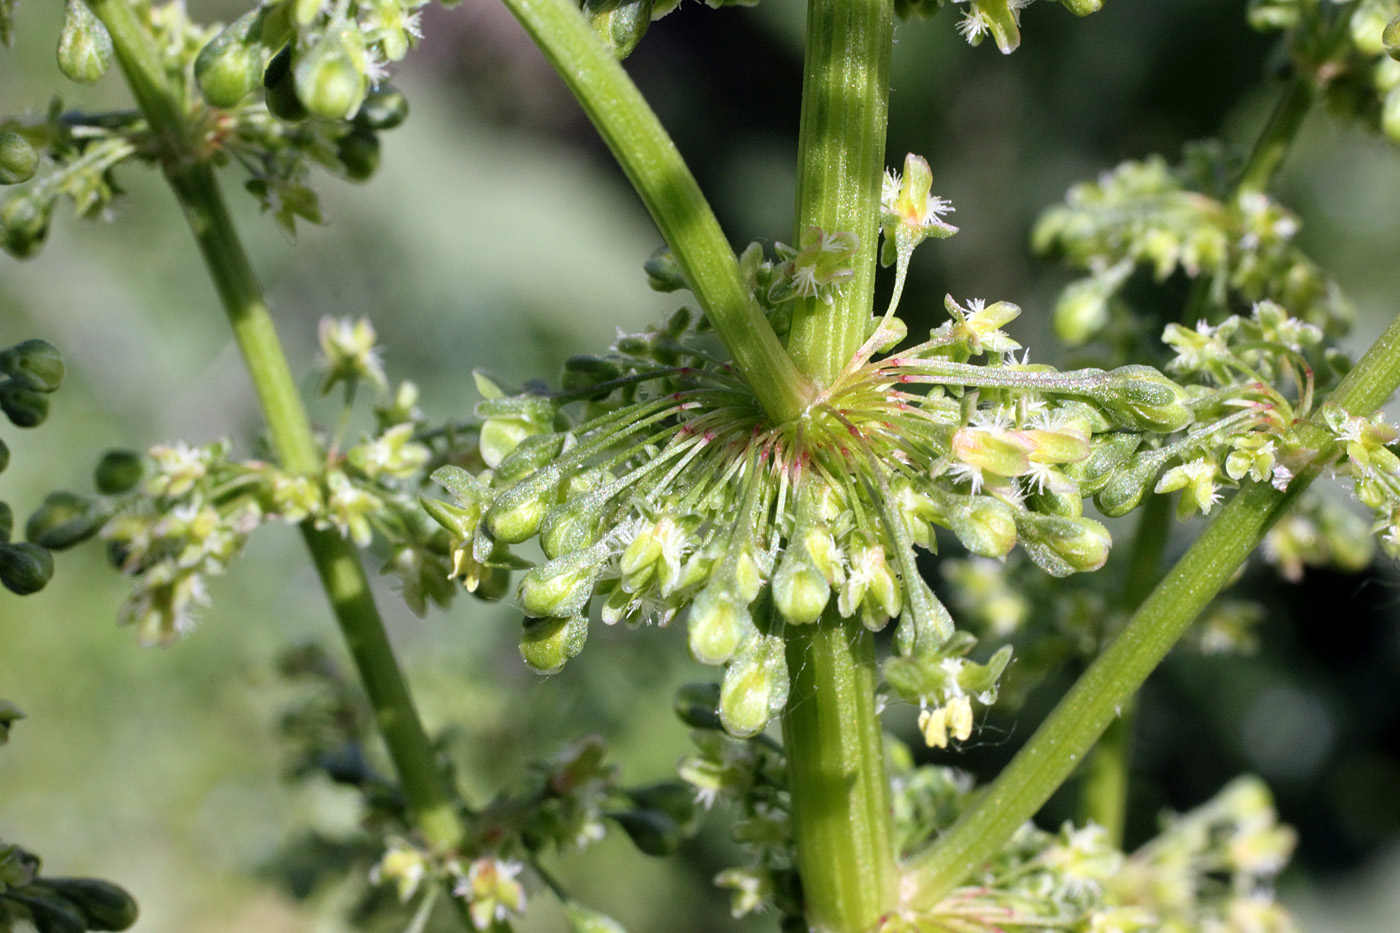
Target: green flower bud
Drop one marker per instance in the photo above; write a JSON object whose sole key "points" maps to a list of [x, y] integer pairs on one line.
{"points": [[718, 623], [1062, 546], [925, 625], [230, 66], [755, 687], [1082, 7], [24, 567], [358, 153], [1141, 398], [1126, 487], [676, 799], [516, 514], [329, 79], [527, 457], [104, 906], [800, 589], [587, 920], [620, 23], [118, 471], [384, 108], [84, 47], [65, 519], [664, 271], [986, 526], [50, 914], [1108, 452], [547, 643], [24, 406], [280, 89], [651, 831], [18, 159], [36, 363], [24, 223], [563, 586], [1390, 38], [697, 705], [7, 522], [573, 524]]}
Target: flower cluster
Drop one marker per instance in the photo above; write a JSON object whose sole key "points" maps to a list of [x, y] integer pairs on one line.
{"points": [[1168, 219], [1373, 467], [1348, 49], [1210, 869], [1000, 19]]}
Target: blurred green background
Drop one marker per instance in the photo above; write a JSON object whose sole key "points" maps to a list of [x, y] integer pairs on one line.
{"points": [[498, 235]]}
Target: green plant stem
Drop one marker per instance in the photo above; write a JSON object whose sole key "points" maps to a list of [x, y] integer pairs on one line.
{"points": [[836, 776], [1277, 137], [336, 560], [1095, 699], [831, 733], [1103, 795], [841, 146], [655, 167]]}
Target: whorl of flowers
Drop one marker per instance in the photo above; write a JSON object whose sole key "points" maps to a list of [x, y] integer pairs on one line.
{"points": [[653, 482]]}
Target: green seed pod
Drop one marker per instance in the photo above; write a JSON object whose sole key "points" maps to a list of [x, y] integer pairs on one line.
{"points": [[719, 622], [18, 159], [35, 363], [1062, 546], [50, 914], [65, 519], [384, 108], [547, 643], [24, 223], [755, 687], [24, 567], [563, 586], [573, 524], [697, 705], [1390, 38], [516, 514], [664, 271], [84, 47], [105, 906], [1126, 487], [358, 153], [1141, 398], [118, 471], [329, 81], [985, 526], [526, 457], [651, 831], [230, 66], [24, 406], [280, 90], [1108, 452], [587, 920], [800, 591], [620, 23]]}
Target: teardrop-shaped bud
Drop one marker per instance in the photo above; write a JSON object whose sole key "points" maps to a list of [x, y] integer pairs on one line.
{"points": [[546, 644], [800, 591], [64, 519], [651, 831], [104, 905], [230, 66], [35, 363], [384, 108], [664, 271], [329, 81], [563, 586], [517, 513], [573, 524], [358, 154], [1062, 546], [280, 90], [24, 222], [84, 47], [755, 687], [620, 23], [24, 567], [718, 624], [118, 471], [25, 407], [1141, 398], [18, 159], [697, 705]]}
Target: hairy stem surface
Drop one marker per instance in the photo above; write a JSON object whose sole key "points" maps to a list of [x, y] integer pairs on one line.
{"points": [[654, 166]]}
